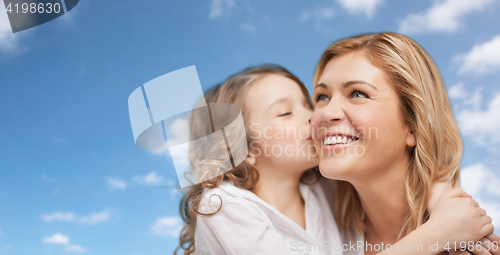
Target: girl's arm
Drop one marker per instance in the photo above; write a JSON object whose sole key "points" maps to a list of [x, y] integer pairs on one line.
{"points": [[456, 217]]}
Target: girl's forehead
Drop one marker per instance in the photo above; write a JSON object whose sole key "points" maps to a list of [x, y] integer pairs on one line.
{"points": [[274, 86]]}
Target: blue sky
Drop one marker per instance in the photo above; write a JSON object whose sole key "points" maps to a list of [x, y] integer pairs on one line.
{"points": [[72, 179]]}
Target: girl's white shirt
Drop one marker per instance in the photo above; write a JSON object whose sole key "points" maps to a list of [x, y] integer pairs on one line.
{"points": [[246, 224]]}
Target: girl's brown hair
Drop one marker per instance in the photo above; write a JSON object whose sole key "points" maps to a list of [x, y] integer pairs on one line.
{"points": [[244, 175], [426, 110]]}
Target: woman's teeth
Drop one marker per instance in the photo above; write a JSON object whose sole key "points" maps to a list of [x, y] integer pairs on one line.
{"points": [[338, 140]]}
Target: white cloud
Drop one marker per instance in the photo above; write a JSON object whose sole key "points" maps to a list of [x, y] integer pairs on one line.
{"points": [[442, 16], [481, 125], [466, 98], [318, 13], [482, 183], [319, 16], [47, 178], [153, 179], [114, 183], [9, 42], [178, 132], [58, 216], [56, 239], [220, 7], [367, 7], [169, 226], [95, 218], [70, 217], [249, 28], [457, 92], [478, 179], [482, 58], [75, 248], [177, 140], [63, 240]]}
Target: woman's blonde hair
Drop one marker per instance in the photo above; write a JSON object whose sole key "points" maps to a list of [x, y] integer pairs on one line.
{"points": [[425, 109], [244, 175]]}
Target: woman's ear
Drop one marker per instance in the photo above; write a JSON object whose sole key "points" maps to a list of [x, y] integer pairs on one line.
{"points": [[411, 140]]}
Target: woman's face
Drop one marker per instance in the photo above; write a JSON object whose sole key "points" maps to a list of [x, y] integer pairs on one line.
{"points": [[357, 121], [279, 124]]}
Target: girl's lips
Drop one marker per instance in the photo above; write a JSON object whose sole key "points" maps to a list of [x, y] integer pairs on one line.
{"points": [[337, 146]]}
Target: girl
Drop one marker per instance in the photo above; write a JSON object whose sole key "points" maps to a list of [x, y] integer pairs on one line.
{"points": [[385, 127], [273, 203]]}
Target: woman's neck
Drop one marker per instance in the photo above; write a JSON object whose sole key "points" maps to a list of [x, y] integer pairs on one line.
{"points": [[383, 198], [283, 193]]}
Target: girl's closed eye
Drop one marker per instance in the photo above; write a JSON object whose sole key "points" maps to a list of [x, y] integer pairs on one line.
{"points": [[284, 113]]}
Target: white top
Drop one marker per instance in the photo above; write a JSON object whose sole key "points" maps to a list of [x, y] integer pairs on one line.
{"points": [[349, 247], [246, 224]]}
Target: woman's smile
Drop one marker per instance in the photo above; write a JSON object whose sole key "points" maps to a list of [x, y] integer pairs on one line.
{"points": [[333, 141]]}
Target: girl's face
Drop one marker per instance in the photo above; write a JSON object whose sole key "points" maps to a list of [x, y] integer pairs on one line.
{"points": [[357, 122], [279, 124]]}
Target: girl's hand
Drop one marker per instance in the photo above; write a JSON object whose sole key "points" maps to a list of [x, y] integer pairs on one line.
{"points": [[456, 217], [438, 190], [489, 244]]}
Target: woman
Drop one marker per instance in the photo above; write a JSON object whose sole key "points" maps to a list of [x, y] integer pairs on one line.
{"points": [[385, 128]]}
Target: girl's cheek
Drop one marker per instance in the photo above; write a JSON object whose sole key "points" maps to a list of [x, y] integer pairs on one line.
{"points": [[316, 119]]}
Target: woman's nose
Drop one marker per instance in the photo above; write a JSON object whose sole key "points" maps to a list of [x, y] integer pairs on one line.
{"points": [[333, 112]]}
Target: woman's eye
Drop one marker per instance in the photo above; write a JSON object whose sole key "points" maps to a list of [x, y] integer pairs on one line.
{"points": [[284, 114], [322, 97], [358, 94]]}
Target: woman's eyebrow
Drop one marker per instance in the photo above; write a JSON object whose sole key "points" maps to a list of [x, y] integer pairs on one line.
{"points": [[350, 83], [322, 85], [347, 84]]}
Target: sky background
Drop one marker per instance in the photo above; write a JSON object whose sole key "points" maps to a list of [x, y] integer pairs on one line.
{"points": [[73, 181]]}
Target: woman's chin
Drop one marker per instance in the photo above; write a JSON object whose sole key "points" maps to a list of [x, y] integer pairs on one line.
{"points": [[336, 169]]}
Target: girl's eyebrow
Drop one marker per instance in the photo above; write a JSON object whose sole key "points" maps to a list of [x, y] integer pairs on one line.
{"points": [[278, 101]]}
